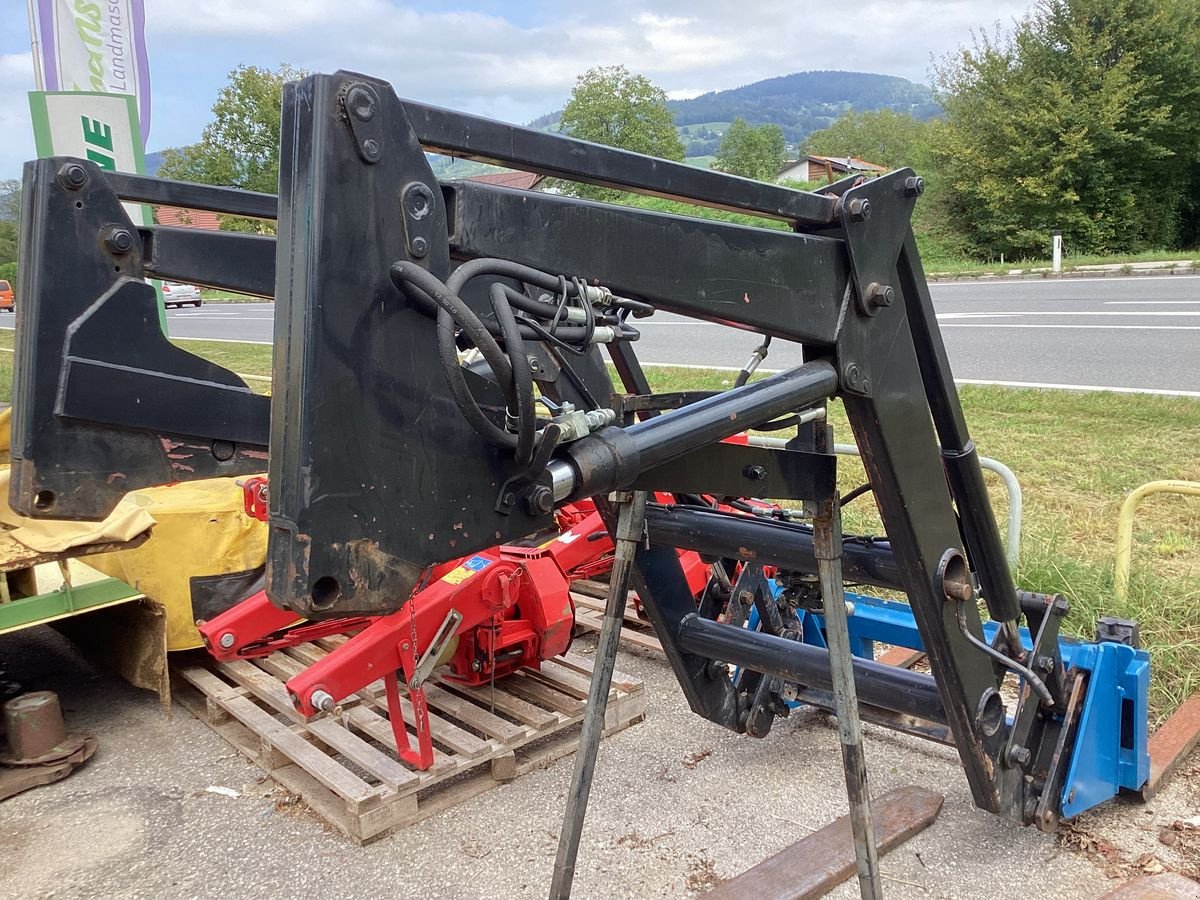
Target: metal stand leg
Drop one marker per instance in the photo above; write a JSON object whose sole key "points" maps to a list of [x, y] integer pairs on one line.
{"points": [[827, 538], [631, 519]]}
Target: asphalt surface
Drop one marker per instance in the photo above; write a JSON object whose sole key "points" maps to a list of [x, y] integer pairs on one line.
{"points": [[677, 804], [1136, 333]]}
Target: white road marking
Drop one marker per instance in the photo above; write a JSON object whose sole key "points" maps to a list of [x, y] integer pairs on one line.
{"points": [[1148, 302], [1010, 281], [1016, 384], [946, 325], [221, 340], [1014, 314], [1077, 387]]}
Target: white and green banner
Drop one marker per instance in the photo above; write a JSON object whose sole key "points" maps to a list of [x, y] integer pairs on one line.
{"points": [[94, 45], [99, 127]]}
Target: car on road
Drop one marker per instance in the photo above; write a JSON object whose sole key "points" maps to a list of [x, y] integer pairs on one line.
{"points": [[7, 300], [175, 294]]}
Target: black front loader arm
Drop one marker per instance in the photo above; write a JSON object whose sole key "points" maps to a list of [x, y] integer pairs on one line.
{"points": [[376, 472]]}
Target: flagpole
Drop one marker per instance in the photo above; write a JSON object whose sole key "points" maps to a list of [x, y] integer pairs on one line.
{"points": [[36, 46]]}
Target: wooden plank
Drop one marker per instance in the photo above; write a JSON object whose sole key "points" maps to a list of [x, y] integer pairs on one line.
{"points": [[470, 714], [313, 758], [583, 666], [445, 733], [519, 709], [334, 776], [583, 601], [365, 756], [592, 620], [816, 864], [379, 728], [262, 686], [523, 685], [565, 680], [1172, 743]]}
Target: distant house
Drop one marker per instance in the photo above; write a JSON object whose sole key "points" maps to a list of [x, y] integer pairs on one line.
{"points": [[827, 168], [187, 218], [525, 181]]}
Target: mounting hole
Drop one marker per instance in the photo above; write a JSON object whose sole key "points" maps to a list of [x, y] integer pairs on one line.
{"points": [[325, 592], [44, 499], [990, 714], [79, 204]]}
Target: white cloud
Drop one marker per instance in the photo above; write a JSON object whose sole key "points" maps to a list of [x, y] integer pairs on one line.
{"points": [[517, 62], [16, 130], [445, 56]]}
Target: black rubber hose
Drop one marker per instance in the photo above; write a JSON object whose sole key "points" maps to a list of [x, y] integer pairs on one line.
{"points": [[502, 267], [452, 310], [522, 377]]}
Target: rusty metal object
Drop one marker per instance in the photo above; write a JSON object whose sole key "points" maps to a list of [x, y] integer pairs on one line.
{"points": [[816, 864], [36, 734], [1168, 886], [1171, 744], [21, 778]]}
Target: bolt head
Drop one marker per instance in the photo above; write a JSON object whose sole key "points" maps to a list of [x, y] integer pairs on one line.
{"points": [[914, 186], [880, 295], [371, 149], [118, 241], [420, 247], [859, 209], [539, 500], [361, 103], [227, 640], [72, 176], [755, 473]]}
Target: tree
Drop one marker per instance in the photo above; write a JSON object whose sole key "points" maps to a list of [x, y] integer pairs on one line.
{"points": [[1085, 119], [10, 200], [752, 152], [240, 146], [10, 218], [611, 106], [883, 137]]}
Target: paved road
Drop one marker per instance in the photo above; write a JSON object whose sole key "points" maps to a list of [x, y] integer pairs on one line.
{"points": [[1127, 333]]}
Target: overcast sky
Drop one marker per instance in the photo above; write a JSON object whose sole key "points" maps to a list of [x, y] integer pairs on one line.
{"points": [[509, 59]]}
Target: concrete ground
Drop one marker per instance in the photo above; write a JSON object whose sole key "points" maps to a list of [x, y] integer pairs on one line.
{"points": [[678, 804]]}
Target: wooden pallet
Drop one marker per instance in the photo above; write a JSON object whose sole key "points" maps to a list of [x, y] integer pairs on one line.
{"points": [[589, 599], [345, 766]]}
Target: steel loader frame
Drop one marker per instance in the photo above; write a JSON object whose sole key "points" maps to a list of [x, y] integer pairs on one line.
{"points": [[378, 473]]}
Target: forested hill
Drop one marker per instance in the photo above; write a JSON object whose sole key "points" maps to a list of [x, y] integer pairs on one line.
{"points": [[799, 103], [804, 102]]}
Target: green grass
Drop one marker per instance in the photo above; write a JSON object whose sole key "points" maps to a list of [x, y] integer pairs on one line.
{"points": [[1076, 456], [968, 267], [213, 295], [701, 162]]}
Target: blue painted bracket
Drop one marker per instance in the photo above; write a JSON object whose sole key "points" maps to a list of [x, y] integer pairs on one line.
{"points": [[1111, 750]]}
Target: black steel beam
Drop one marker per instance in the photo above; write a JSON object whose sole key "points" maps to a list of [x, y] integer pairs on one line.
{"points": [[486, 140], [187, 254], [883, 686], [788, 285], [187, 195], [783, 544]]}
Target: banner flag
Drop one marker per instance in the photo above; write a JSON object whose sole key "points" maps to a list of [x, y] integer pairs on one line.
{"points": [[97, 46]]}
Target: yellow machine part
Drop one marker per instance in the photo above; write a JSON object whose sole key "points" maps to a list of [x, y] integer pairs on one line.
{"points": [[202, 533]]}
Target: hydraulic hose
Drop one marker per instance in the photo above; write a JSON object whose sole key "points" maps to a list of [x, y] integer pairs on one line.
{"points": [[451, 311], [522, 377]]}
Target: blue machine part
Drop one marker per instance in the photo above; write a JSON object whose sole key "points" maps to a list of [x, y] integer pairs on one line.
{"points": [[1111, 750]]}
